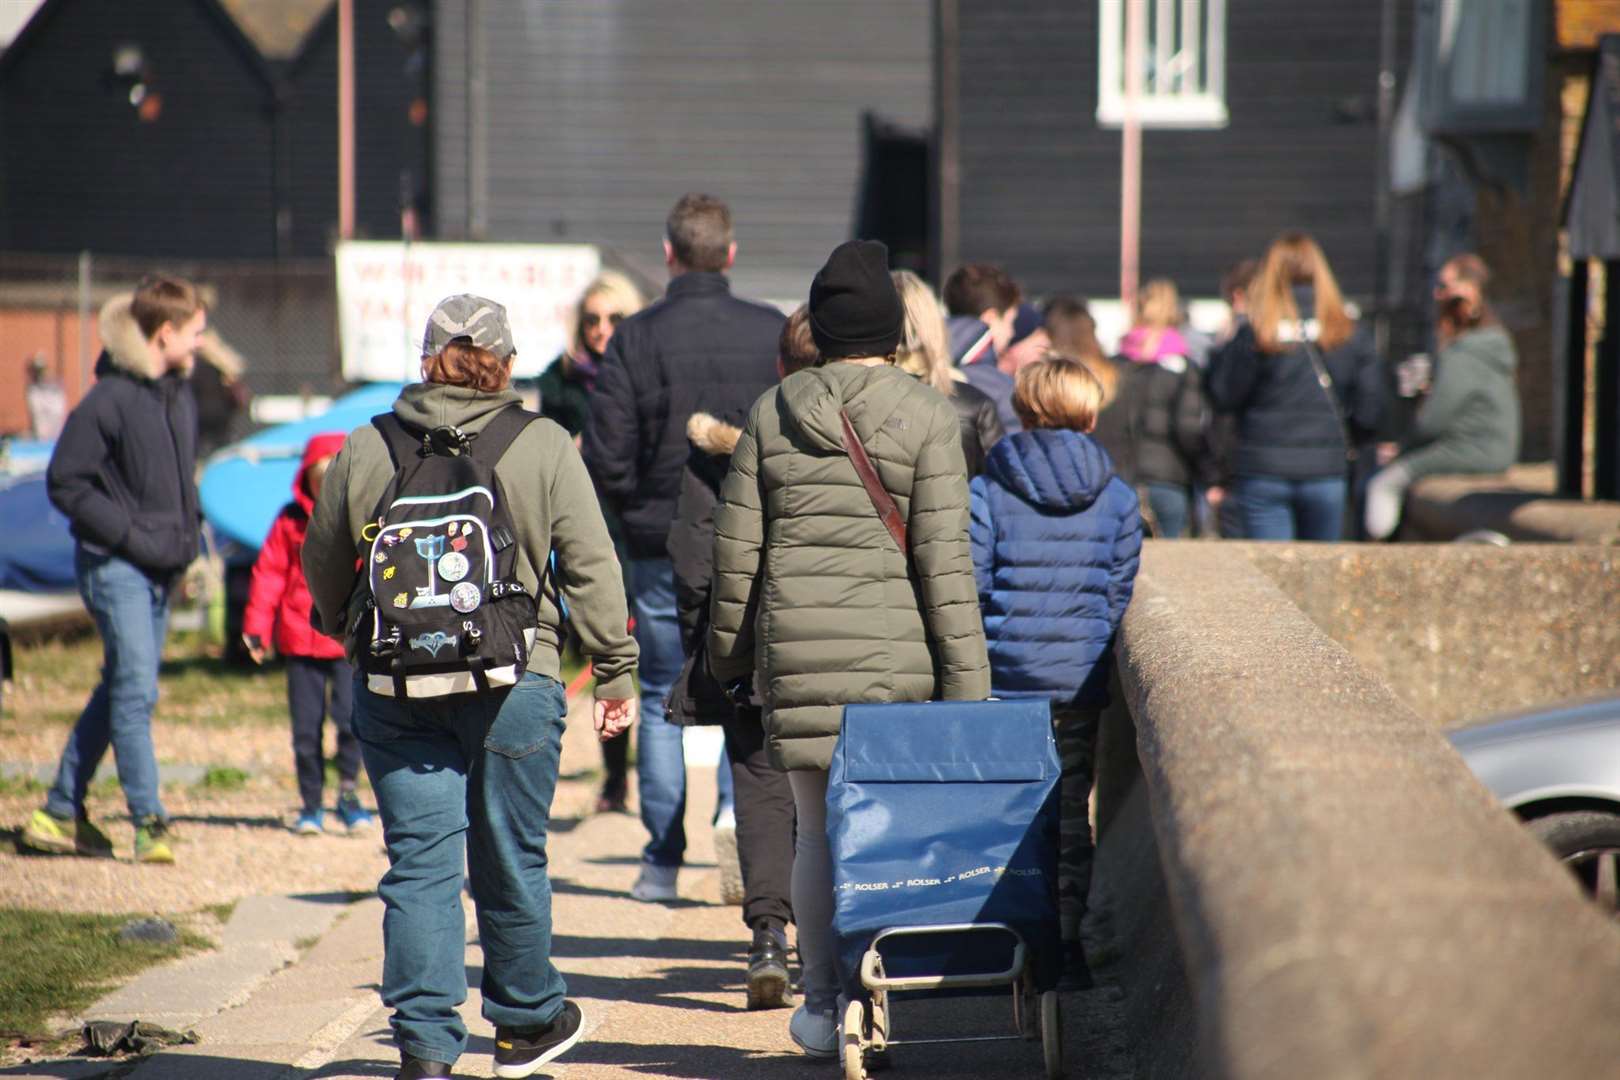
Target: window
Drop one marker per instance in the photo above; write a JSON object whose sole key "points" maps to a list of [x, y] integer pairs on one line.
{"points": [[1184, 68], [1482, 66]]}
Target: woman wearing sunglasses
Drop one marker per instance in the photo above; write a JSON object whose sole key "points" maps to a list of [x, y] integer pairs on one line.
{"points": [[565, 386]]}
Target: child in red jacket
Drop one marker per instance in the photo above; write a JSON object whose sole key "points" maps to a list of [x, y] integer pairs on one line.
{"points": [[279, 601]]}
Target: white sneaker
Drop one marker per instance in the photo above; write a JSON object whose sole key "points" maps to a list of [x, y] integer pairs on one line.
{"points": [[725, 855], [655, 884], [815, 1032]]}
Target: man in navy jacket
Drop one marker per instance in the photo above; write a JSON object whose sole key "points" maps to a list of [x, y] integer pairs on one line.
{"points": [[699, 349]]}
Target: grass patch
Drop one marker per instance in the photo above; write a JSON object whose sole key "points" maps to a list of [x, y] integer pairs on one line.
{"points": [[224, 778], [304, 944], [54, 678], [60, 963], [21, 785], [222, 912]]}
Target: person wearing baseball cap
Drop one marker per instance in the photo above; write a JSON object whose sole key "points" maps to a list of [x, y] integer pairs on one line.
{"points": [[813, 599], [467, 779]]}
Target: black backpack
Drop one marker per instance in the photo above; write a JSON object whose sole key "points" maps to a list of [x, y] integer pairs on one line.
{"points": [[442, 609]]}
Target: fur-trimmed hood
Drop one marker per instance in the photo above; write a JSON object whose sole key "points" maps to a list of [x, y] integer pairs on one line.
{"points": [[712, 435], [126, 348]]}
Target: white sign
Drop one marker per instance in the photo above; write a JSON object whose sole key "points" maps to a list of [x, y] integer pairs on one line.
{"points": [[387, 289]]}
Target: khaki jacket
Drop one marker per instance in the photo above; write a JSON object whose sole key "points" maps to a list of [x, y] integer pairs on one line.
{"points": [[811, 592], [553, 508]]}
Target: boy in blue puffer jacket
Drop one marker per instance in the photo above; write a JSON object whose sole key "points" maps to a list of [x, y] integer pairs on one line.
{"points": [[1056, 541]]}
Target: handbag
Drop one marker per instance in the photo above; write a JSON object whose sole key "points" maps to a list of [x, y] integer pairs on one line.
{"points": [[1325, 381], [887, 510]]}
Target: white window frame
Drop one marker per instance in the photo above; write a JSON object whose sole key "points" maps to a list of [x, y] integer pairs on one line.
{"points": [[1165, 101]]}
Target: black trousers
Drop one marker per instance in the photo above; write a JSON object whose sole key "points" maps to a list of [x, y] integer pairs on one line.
{"points": [[616, 765], [764, 821], [307, 683]]}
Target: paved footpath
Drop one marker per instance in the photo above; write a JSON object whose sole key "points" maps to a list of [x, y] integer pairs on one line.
{"points": [[292, 992]]}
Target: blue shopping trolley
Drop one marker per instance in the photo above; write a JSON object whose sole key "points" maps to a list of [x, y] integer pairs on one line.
{"points": [[943, 823]]}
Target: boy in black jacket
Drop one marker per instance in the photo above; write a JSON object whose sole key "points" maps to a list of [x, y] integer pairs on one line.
{"points": [[123, 475]]}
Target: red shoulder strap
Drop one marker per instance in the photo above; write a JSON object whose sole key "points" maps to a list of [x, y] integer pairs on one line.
{"points": [[887, 511]]}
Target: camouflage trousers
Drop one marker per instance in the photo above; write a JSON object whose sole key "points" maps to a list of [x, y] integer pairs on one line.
{"points": [[1076, 731]]}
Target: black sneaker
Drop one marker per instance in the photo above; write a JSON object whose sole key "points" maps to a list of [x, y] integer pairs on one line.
{"points": [[520, 1051], [415, 1068], [767, 969]]}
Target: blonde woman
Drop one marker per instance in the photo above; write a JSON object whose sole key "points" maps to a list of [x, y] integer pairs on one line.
{"points": [[565, 386], [923, 353], [1303, 382], [1168, 423]]}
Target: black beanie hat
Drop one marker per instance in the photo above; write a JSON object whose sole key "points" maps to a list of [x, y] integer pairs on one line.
{"points": [[854, 308]]}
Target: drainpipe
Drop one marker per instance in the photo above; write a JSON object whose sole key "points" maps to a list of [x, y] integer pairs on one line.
{"points": [[1130, 179], [1384, 209], [346, 119]]}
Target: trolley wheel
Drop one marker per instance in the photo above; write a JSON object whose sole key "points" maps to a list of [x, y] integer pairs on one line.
{"points": [[1052, 1034], [880, 1023], [854, 1052]]}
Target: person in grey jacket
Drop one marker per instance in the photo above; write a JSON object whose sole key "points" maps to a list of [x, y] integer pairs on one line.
{"points": [[464, 782], [1469, 421], [815, 599]]}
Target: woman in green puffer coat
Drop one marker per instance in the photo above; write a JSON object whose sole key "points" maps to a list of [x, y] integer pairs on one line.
{"points": [[813, 597]]}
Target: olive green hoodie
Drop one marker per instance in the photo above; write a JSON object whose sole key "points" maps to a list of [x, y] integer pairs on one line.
{"points": [[811, 593], [553, 508]]}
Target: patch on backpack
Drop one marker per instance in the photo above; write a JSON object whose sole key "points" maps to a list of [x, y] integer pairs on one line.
{"points": [[432, 643]]}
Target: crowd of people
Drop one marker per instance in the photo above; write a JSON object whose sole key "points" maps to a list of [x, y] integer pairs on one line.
{"points": [[886, 496]]}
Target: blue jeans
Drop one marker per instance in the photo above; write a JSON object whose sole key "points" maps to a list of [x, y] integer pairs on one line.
{"points": [[660, 757], [1280, 508], [1170, 508], [132, 615], [464, 781]]}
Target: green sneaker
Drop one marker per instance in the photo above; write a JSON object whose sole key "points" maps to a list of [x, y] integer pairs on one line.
{"points": [[45, 832], [152, 841]]}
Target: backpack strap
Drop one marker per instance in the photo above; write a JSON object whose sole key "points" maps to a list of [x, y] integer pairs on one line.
{"points": [[397, 437], [495, 437]]}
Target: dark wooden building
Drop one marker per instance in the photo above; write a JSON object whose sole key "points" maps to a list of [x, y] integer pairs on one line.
{"points": [[203, 129], [1279, 132]]}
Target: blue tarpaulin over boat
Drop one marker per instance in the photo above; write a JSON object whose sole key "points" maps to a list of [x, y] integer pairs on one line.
{"points": [[37, 555], [245, 485]]}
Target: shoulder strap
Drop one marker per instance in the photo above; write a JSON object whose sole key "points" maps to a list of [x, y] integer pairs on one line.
{"points": [[499, 434], [397, 437], [887, 511], [1325, 381]]}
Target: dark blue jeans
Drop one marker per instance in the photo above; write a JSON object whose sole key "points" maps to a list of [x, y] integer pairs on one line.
{"points": [[1170, 509], [132, 614], [660, 754], [1282, 508], [464, 781]]}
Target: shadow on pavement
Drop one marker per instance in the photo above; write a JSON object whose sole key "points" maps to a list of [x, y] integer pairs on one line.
{"points": [[264, 821], [595, 948]]}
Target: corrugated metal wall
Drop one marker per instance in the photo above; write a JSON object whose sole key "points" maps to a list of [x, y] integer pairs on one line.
{"points": [[602, 112], [1040, 179]]}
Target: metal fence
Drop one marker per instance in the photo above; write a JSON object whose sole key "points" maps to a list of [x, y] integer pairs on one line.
{"points": [[281, 317]]}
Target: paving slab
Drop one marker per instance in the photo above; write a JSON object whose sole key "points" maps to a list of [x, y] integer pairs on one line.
{"points": [[661, 985]]}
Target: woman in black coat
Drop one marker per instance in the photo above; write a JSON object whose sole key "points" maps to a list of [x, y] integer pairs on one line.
{"points": [[1304, 384]]}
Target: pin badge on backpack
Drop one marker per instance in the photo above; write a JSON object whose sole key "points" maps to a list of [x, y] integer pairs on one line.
{"points": [[453, 566], [465, 597]]}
